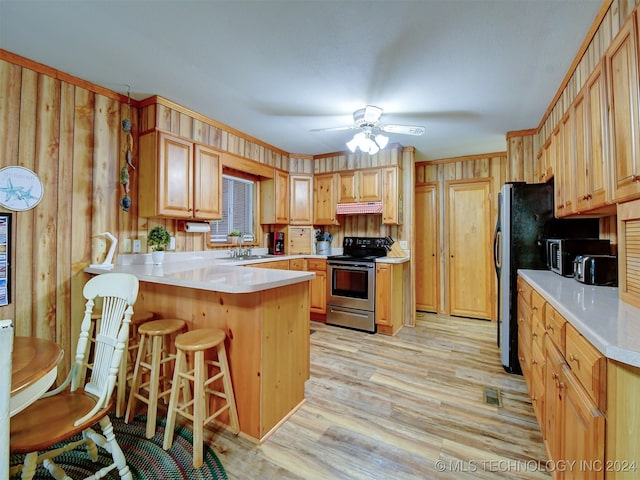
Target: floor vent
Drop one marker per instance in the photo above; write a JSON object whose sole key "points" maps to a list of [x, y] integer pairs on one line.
{"points": [[492, 396]]}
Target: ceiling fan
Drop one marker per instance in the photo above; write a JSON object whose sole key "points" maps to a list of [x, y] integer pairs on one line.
{"points": [[370, 139]]}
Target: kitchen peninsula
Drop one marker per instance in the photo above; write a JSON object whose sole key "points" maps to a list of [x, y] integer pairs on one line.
{"points": [[265, 313]]}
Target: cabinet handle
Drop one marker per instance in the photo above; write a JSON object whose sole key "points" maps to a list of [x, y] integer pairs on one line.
{"points": [[635, 178], [573, 357], [560, 385], [554, 375]]}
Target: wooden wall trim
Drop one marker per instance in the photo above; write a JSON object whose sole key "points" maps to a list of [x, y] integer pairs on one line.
{"points": [[463, 158], [521, 133], [242, 164], [156, 99], [62, 76], [606, 4]]}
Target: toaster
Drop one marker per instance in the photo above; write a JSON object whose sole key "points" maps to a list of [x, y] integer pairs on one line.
{"points": [[596, 269]]}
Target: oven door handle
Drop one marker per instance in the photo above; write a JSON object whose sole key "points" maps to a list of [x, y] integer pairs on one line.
{"points": [[357, 266]]}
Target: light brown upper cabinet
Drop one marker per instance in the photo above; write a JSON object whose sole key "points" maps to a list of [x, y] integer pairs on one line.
{"points": [[274, 199], [591, 133], [360, 186], [301, 203], [392, 196], [325, 198], [178, 178], [470, 254], [622, 87], [565, 168]]}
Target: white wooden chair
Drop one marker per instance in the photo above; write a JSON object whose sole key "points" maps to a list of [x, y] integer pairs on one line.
{"points": [[64, 412]]}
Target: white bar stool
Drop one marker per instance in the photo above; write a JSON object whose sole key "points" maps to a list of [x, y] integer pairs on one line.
{"points": [[199, 342]]}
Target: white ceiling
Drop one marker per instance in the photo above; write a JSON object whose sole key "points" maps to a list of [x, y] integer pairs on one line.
{"points": [[467, 70]]}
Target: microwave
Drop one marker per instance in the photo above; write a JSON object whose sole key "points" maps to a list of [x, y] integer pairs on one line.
{"points": [[561, 252]]}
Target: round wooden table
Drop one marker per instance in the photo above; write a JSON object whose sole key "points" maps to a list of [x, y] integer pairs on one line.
{"points": [[33, 370]]}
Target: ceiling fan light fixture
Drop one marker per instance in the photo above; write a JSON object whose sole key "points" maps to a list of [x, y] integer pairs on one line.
{"points": [[367, 142], [382, 140]]}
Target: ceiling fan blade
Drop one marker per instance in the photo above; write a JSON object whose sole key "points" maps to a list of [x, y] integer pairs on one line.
{"points": [[372, 113], [403, 129], [332, 129]]}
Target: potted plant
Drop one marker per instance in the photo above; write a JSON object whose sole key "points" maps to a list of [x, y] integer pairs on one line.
{"points": [[234, 236], [158, 241]]}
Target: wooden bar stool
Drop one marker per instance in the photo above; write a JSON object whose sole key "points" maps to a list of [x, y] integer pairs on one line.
{"points": [[125, 373], [196, 409], [154, 355]]}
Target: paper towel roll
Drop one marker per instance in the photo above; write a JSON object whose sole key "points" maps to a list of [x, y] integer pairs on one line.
{"points": [[198, 227]]}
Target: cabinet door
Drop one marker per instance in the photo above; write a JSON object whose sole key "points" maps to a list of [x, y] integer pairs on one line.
{"points": [[347, 189], [370, 185], [558, 186], [583, 430], [207, 191], [274, 199], [325, 198], [301, 194], [318, 286], [318, 293], [470, 270], [383, 294], [567, 167], [426, 248], [583, 168], [598, 148], [629, 252], [553, 395], [391, 196], [282, 197], [622, 89], [175, 177]]}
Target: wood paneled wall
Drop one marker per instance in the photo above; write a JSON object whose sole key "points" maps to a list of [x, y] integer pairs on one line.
{"points": [[70, 136]]}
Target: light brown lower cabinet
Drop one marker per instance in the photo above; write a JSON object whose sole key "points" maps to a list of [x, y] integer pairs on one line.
{"points": [[389, 298], [318, 287], [586, 405]]}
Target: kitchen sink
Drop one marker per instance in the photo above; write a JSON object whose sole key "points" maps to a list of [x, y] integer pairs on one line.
{"points": [[248, 257]]}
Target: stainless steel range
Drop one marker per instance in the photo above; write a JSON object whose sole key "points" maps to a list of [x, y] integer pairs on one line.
{"points": [[351, 289]]}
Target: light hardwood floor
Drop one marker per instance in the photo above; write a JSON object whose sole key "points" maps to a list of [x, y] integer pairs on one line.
{"points": [[403, 407]]}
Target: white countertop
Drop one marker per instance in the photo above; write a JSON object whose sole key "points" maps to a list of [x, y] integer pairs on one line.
{"points": [[214, 270], [611, 325], [211, 274]]}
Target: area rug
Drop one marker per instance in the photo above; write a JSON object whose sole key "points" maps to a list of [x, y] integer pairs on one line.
{"points": [[145, 457]]}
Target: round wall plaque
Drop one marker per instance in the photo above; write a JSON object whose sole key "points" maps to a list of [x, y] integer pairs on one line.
{"points": [[20, 188]]}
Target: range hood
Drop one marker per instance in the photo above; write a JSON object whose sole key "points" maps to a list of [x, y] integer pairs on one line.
{"points": [[358, 208]]}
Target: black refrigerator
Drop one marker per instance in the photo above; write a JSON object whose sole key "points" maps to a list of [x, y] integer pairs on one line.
{"points": [[525, 220]]}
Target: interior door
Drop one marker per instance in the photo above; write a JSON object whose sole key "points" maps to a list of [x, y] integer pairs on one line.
{"points": [[426, 247], [469, 249]]}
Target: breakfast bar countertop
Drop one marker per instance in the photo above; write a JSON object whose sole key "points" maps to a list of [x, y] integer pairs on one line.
{"points": [[611, 325], [206, 274]]}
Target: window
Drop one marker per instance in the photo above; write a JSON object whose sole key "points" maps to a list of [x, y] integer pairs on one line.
{"points": [[237, 210]]}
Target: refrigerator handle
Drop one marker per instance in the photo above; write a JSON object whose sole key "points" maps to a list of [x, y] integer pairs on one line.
{"points": [[497, 245]]}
